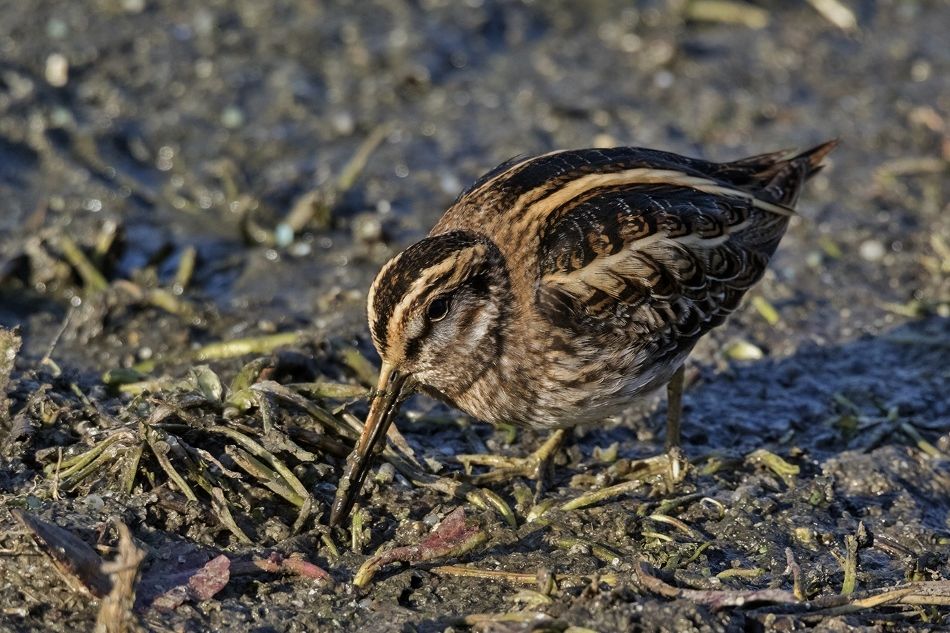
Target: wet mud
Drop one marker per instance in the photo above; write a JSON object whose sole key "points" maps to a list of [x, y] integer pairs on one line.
{"points": [[196, 196]]}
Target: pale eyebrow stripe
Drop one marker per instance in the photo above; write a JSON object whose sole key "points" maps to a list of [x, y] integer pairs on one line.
{"points": [[371, 315]]}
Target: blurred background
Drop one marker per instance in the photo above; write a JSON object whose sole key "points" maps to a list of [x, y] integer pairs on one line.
{"points": [[294, 146]]}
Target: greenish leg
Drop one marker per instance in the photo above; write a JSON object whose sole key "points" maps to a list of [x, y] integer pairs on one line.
{"points": [[674, 409]]}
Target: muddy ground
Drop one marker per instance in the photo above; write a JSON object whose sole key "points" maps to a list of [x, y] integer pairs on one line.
{"points": [[138, 137]]}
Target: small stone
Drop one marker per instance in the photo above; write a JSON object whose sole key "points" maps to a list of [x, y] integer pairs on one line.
{"points": [[283, 235], [743, 350], [133, 6], [343, 123], [57, 70], [93, 503], [386, 473], [663, 79], [921, 70], [367, 228], [232, 117], [872, 250]]}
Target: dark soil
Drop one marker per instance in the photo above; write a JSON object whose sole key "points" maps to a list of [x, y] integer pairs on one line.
{"points": [[142, 131]]}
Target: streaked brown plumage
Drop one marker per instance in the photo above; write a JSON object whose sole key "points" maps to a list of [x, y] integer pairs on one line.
{"points": [[559, 288]]}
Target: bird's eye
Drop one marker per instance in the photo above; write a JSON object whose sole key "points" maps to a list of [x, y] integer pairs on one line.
{"points": [[438, 309]]}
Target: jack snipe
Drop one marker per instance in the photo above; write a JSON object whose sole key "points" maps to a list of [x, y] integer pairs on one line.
{"points": [[561, 287]]}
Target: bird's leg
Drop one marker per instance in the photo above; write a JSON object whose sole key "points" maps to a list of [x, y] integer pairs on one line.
{"points": [[677, 462], [669, 467], [674, 409], [533, 466]]}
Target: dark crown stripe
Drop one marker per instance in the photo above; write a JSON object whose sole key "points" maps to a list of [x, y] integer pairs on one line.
{"points": [[395, 281]]}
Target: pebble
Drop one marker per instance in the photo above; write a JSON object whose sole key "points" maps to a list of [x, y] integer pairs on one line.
{"points": [[57, 70], [232, 117], [743, 350], [367, 228], [133, 6], [386, 473], [872, 250]]}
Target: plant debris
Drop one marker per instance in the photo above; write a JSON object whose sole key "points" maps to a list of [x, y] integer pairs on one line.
{"points": [[452, 537], [78, 564], [198, 195]]}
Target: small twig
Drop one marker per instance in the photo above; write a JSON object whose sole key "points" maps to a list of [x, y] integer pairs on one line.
{"points": [[153, 437], [320, 202], [487, 499], [728, 12], [922, 444], [259, 451], [116, 614], [186, 268], [452, 537], [91, 277], [47, 359], [850, 565], [679, 525], [716, 599], [70, 465], [318, 413], [131, 469], [329, 390], [265, 475], [793, 568], [219, 505], [647, 469], [738, 572], [519, 578], [365, 371], [54, 492], [775, 463], [354, 167], [357, 518], [242, 347], [601, 552]]}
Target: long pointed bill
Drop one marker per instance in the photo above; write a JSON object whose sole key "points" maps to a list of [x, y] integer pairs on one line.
{"points": [[382, 411]]}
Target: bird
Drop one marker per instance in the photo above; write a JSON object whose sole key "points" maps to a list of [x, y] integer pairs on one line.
{"points": [[560, 288]]}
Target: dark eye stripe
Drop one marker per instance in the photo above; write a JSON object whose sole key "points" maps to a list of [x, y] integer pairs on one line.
{"points": [[414, 344]]}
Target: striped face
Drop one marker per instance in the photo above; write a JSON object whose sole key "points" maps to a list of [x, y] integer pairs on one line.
{"points": [[437, 301], [435, 313]]}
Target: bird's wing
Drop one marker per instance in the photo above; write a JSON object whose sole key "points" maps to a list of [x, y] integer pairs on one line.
{"points": [[654, 257], [651, 242]]}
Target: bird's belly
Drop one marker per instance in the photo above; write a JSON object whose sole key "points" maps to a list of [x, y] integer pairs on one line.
{"points": [[567, 398]]}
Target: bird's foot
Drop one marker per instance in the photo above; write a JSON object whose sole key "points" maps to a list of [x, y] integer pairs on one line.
{"points": [[533, 466], [666, 469]]}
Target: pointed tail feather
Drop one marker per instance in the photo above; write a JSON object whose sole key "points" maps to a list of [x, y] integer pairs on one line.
{"points": [[815, 155], [782, 181]]}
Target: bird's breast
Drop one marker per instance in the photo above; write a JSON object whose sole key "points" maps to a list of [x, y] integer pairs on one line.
{"points": [[558, 381]]}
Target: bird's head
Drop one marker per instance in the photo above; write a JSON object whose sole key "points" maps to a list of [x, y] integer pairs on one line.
{"points": [[435, 314]]}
